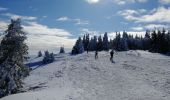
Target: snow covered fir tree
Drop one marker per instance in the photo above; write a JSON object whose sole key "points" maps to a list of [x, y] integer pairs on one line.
{"points": [[13, 52], [78, 47], [62, 50], [48, 57], [39, 54]]}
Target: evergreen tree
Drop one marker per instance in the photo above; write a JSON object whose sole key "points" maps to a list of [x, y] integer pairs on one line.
{"points": [[95, 43], [78, 47], [52, 57], [124, 41], [105, 42], [117, 41], [147, 41], [48, 57], [100, 44], [91, 46], [62, 50], [39, 54], [168, 44], [111, 44], [84, 41], [13, 53]]}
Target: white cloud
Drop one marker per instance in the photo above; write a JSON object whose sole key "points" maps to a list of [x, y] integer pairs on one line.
{"points": [[164, 1], [119, 2], [41, 37], [46, 42], [130, 13], [3, 26], [138, 28], [38, 29], [161, 15], [14, 16], [81, 22], [122, 2], [3, 9], [152, 26], [64, 18], [44, 16], [90, 32], [75, 21], [92, 1]]}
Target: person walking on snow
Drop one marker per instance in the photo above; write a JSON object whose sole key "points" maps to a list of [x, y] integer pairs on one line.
{"points": [[96, 54], [111, 55]]}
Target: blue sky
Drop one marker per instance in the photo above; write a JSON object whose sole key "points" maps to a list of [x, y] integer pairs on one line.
{"points": [[53, 23]]}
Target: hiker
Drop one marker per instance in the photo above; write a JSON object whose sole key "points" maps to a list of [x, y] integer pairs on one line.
{"points": [[96, 54], [111, 55], [87, 50]]}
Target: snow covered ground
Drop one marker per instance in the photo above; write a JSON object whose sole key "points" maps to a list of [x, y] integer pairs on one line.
{"points": [[135, 75]]}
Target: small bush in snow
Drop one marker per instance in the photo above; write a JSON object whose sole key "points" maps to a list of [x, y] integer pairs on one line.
{"points": [[39, 54], [62, 50], [48, 57]]}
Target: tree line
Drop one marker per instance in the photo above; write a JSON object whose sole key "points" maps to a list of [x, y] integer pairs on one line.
{"points": [[153, 41]]}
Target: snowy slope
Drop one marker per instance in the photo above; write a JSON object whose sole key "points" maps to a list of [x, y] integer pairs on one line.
{"points": [[136, 75]]}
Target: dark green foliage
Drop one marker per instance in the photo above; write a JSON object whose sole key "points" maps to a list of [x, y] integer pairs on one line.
{"points": [[100, 44], [78, 48], [160, 42], [86, 40], [13, 52], [105, 42], [62, 50], [154, 41], [39, 54], [48, 57]]}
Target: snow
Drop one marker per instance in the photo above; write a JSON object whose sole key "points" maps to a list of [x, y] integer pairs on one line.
{"points": [[135, 75]]}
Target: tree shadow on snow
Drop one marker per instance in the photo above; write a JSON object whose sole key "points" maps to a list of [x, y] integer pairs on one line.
{"points": [[35, 65]]}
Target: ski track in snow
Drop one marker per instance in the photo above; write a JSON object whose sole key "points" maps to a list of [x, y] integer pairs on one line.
{"points": [[135, 75]]}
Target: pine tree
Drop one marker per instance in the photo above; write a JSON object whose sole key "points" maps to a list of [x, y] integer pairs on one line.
{"points": [[105, 42], [154, 40], [125, 39], [62, 50], [93, 44], [13, 53], [39, 54], [117, 41], [78, 48], [87, 39], [147, 41], [48, 57], [168, 44], [52, 57], [84, 41], [100, 44]]}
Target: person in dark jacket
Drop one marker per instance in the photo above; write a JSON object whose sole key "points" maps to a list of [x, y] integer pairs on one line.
{"points": [[96, 54], [111, 55]]}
